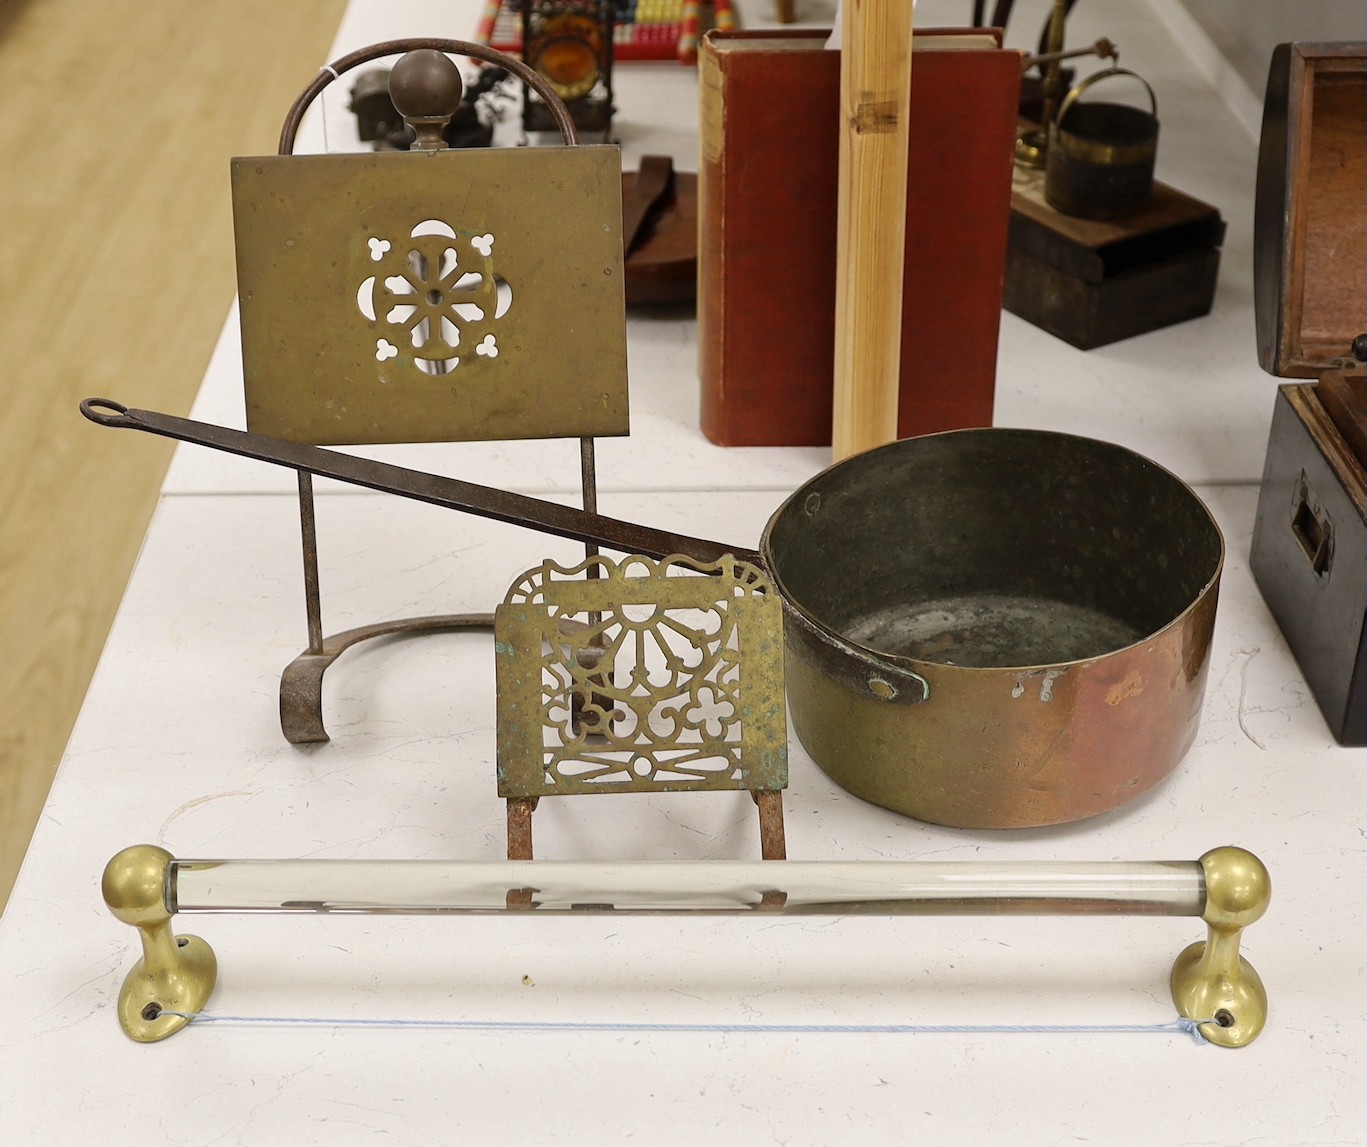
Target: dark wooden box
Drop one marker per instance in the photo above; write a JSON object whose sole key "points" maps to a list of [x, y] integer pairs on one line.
{"points": [[1091, 282], [1309, 554]]}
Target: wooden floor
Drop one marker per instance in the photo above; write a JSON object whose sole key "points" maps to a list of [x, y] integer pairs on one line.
{"points": [[115, 278]]}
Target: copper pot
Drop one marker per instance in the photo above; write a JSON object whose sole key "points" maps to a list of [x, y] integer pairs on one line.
{"points": [[996, 628], [985, 628]]}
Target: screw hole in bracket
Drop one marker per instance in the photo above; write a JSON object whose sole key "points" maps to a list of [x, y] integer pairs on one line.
{"points": [[151, 1012]]}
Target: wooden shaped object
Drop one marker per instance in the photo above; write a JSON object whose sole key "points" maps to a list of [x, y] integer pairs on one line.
{"points": [[1310, 301], [1092, 282], [871, 210]]}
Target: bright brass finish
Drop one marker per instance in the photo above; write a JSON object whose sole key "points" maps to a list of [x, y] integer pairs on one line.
{"points": [[175, 974], [1211, 981], [1228, 888]]}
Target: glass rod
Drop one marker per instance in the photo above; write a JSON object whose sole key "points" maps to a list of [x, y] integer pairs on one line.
{"points": [[836, 888]]}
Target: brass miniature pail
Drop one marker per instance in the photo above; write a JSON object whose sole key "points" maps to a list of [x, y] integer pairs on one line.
{"points": [[1101, 154]]}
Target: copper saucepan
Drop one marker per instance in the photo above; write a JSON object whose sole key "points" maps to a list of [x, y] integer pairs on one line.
{"points": [[984, 628]]}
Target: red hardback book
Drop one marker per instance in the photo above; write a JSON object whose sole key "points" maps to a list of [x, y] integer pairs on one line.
{"points": [[767, 221]]}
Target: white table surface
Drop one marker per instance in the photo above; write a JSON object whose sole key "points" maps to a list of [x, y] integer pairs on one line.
{"points": [[178, 744]]}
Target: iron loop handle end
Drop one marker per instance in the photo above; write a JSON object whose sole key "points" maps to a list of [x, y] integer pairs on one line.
{"points": [[106, 412]]}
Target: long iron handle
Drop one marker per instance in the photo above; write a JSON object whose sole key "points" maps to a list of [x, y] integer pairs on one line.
{"points": [[449, 493]]}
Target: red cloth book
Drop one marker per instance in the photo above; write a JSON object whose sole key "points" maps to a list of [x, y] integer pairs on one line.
{"points": [[766, 254]]}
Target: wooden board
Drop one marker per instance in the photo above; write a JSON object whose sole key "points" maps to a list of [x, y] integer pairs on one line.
{"points": [[1092, 282], [1306, 555], [1094, 249], [1310, 228], [117, 275]]}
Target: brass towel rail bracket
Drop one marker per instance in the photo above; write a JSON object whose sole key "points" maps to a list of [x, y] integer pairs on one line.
{"points": [[1211, 983]]}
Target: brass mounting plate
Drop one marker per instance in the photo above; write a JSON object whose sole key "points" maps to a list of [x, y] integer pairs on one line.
{"points": [[424, 297], [639, 678]]}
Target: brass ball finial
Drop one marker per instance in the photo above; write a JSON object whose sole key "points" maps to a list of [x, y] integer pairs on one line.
{"points": [[176, 975], [1238, 887], [134, 885], [1211, 982], [426, 89]]}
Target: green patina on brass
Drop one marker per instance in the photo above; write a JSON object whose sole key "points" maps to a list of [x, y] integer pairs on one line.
{"points": [[635, 677]]}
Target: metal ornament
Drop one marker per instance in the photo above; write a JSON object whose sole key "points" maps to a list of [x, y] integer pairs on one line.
{"points": [[641, 676], [385, 303], [176, 973], [427, 297], [1212, 979]]}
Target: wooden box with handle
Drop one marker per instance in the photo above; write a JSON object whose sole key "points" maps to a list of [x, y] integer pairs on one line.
{"points": [[1310, 299]]}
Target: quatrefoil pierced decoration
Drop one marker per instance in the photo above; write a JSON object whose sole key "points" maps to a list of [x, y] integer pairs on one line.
{"points": [[435, 296]]}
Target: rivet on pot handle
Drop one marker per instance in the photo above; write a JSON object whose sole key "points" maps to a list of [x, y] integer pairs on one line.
{"points": [[913, 689], [882, 689], [886, 691], [864, 671]]}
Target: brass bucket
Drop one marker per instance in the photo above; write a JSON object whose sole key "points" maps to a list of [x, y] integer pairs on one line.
{"points": [[1101, 154]]}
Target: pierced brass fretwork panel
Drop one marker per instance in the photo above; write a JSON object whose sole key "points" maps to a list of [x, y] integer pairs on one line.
{"points": [[651, 676], [422, 297]]}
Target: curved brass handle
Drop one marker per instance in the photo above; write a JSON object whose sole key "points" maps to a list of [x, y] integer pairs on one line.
{"points": [[334, 70], [1076, 91]]}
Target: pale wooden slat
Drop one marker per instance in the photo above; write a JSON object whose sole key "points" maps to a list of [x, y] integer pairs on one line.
{"points": [[115, 278], [875, 101]]}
